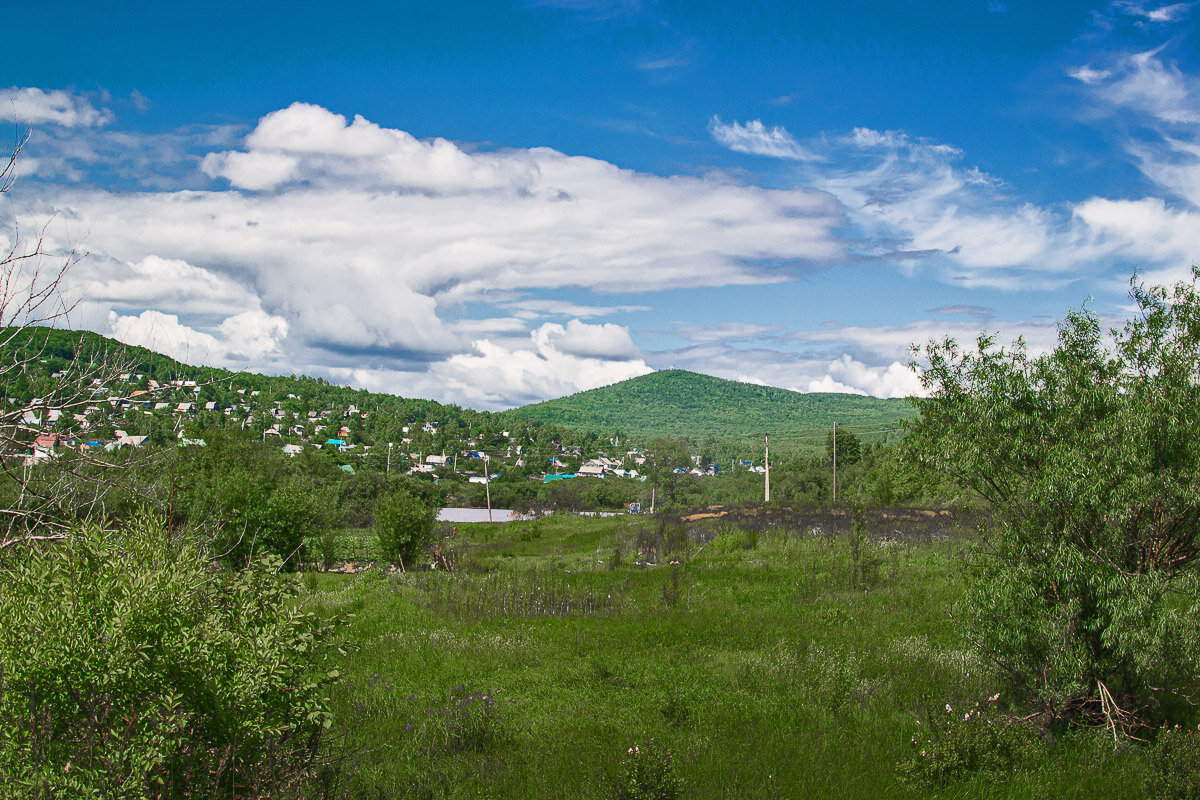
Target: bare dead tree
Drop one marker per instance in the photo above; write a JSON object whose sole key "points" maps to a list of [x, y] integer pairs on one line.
{"points": [[45, 485]]}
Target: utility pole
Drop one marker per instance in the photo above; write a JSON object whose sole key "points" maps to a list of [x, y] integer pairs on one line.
{"points": [[487, 485], [388, 471], [835, 462], [767, 458]]}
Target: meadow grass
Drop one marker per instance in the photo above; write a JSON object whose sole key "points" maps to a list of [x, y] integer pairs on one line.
{"points": [[768, 664]]}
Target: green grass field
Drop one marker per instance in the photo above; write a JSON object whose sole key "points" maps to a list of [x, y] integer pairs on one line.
{"points": [[772, 663]]}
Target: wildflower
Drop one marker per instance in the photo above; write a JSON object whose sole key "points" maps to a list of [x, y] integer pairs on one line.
{"points": [[948, 708], [967, 716]]}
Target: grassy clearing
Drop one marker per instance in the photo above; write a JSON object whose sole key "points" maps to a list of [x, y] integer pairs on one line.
{"points": [[768, 663]]}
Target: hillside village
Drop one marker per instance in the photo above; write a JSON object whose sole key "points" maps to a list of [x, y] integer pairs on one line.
{"points": [[133, 410]]}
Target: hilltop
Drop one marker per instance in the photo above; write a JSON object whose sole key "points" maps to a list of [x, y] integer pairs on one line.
{"points": [[678, 403]]}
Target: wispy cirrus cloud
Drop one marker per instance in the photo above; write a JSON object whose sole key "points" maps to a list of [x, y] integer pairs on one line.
{"points": [[916, 203], [537, 308], [1088, 74], [726, 331], [1153, 12], [595, 9], [755, 138], [979, 314]]}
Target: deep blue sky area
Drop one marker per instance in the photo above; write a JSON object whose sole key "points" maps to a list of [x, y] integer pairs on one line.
{"points": [[497, 202]]}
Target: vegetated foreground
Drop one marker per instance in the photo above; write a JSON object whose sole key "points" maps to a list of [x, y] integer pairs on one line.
{"points": [[627, 657]]}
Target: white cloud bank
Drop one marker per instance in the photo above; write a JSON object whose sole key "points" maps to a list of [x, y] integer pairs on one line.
{"points": [[341, 247]]}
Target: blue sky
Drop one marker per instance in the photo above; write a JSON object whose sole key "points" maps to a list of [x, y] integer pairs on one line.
{"points": [[495, 203]]}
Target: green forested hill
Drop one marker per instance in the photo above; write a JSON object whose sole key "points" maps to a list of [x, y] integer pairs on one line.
{"points": [[677, 403], [670, 403]]}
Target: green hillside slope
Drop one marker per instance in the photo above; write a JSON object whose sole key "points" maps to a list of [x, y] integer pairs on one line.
{"points": [[48, 350], [677, 403]]}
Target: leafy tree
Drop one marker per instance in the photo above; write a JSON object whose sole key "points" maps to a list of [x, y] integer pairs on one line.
{"points": [[663, 458], [849, 447], [1083, 593], [404, 523], [254, 499]]}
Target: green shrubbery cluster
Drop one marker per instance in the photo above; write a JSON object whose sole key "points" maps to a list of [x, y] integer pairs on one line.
{"points": [[131, 669]]}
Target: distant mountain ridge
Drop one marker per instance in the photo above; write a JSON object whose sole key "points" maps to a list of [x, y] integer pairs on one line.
{"points": [[678, 403]]}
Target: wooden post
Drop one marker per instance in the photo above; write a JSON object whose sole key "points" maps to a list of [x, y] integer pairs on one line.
{"points": [[835, 462]]}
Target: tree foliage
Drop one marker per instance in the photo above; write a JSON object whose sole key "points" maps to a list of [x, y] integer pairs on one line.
{"points": [[404, 522], [849, 447], [251, 499], [664, 460], [1084, 593]]}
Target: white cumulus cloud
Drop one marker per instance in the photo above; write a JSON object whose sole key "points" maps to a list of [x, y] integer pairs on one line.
{"points": [[245, 341]]}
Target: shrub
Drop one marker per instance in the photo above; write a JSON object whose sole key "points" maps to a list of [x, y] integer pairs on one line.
{"points": [[647, 773], [1175, 765], [978, 744], [1088, 457], [404, 525], [865, 561], [129, 670]]}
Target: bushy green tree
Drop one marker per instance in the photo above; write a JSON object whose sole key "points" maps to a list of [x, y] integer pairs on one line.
{"points": [[1084, 592], [404, 523], [849, 447], [253, 499], [129, 669], [664, 458]]}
